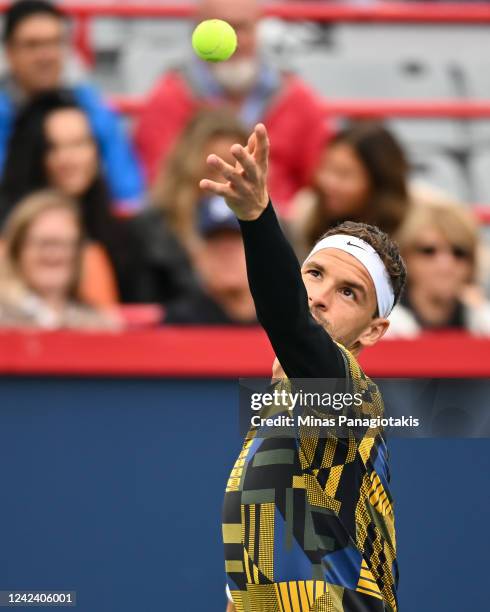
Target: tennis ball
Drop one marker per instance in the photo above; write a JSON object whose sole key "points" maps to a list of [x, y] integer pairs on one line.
{"points": [[214, 40]]}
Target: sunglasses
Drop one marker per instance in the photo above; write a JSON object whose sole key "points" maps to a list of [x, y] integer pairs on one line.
{"points": [[430, 250]]}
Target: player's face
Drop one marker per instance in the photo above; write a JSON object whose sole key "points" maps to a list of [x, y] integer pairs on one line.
{"points": [[71, 160], [343, 181], [342, 298], [36, 53], [47, 259]]}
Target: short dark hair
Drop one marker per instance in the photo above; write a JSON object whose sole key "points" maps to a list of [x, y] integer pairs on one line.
{"points": [[22, 9], [384, 246]]}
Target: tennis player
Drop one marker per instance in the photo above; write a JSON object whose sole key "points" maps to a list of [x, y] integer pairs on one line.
{"points": [[308, 522]]}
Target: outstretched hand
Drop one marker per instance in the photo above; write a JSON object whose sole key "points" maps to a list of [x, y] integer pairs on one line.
{"points": [[245, 190]]}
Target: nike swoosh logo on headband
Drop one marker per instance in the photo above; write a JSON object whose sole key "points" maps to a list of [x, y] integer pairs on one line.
{"points": [[356, 245]]}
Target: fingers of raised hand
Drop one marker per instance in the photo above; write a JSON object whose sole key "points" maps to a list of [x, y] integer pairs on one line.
{"points": [[227, 171], [262, 145], [252, 142], [219, 189], [245, 160]]}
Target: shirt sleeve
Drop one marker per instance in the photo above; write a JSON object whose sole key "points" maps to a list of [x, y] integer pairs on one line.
{"points": [[303, 347]]}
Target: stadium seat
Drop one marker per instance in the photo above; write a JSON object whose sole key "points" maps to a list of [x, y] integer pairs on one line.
{"points": [[441, 172], [476, 76], [155, 60], [340, 77], [108, 34], [175, 32], [479, 168], [395, 40], [450, 135], [153, 45], [281, 39]]}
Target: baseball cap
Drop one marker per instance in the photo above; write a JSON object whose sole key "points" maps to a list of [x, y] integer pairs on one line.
{"points": [[214, 216]]}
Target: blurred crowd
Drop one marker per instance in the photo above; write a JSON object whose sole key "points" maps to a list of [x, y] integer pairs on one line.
{"points": [[94, 217]]}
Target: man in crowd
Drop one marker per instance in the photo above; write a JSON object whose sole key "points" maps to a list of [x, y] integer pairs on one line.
{"points": [[254, 88], [35, 38], [223, 296]]}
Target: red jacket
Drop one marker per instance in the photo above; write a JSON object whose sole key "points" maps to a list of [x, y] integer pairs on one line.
{"points": [[295, 120]]}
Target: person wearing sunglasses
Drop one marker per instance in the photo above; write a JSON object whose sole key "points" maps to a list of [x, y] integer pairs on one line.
{"points": [[440, 245]]}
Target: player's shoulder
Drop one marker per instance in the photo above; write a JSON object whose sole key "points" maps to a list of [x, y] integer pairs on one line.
{"points": [[353, 368], [359, 382], [350, 360]]}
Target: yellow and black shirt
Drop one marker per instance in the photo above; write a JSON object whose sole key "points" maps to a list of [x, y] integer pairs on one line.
{"points": [[308, 521]]}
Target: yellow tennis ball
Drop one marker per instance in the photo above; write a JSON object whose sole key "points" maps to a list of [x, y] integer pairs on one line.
{"points": [[214, 40]]}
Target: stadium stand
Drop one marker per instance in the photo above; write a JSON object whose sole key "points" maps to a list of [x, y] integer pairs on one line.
{"points": [[428, 55], [439, 41], [442, 172], [480, 176], [337, 49]]}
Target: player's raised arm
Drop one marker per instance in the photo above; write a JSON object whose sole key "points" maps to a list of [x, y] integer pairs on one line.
{"points": [[302, 346]]}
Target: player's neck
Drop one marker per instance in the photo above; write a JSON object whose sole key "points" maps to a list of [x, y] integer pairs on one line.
{"points": [[355, 349]]}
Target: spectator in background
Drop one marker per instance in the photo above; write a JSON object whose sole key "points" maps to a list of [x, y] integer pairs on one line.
{"points": [[252, 87], [39, 267], [35, 38], [168, 229], [362, 176], [223, 297], [439, 243], [52, 146]]}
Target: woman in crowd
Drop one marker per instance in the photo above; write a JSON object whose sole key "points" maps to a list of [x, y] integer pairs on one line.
{"points": [[440, 245], [52, 146], [362, 176], [168, 230], [40, 263]]}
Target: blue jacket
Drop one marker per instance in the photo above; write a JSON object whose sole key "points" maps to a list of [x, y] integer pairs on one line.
{"points": [[122, 169]]}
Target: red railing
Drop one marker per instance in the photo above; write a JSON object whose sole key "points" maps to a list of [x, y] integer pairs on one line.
{"points": [[368, 108], [222, 353], [418, 12]]}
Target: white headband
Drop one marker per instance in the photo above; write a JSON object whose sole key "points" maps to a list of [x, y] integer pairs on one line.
{"points": [[370, 259]]}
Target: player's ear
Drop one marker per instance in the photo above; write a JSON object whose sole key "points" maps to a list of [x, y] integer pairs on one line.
{"points": [[374, 332]]}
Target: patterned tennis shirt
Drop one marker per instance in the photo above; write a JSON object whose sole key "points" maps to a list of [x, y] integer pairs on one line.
{"points": [[308, 522]]}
